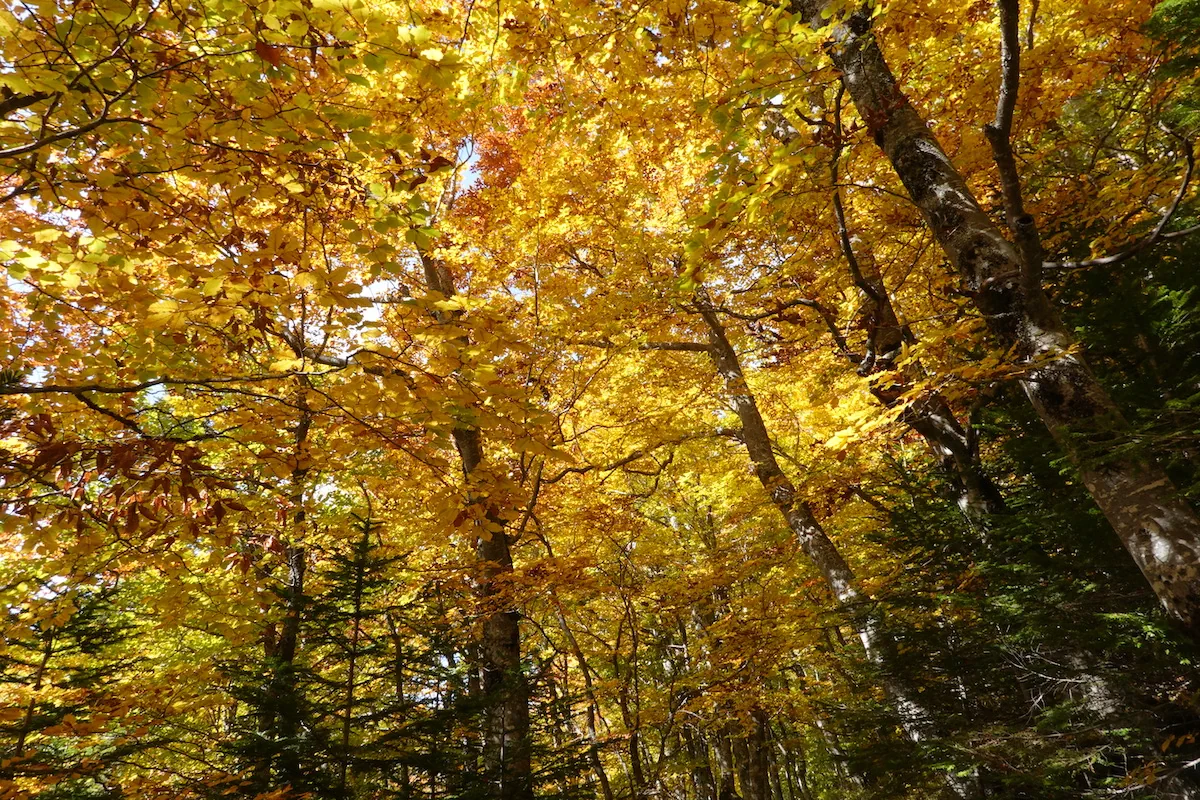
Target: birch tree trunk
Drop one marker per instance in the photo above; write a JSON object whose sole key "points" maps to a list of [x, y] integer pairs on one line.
{"points": [[1156, 525]]}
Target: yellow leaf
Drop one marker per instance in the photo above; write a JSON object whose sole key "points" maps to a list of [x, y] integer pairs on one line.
{"points": [[287, 365]]}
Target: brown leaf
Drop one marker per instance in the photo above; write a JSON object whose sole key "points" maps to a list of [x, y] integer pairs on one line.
{"points": [[269, 53]]}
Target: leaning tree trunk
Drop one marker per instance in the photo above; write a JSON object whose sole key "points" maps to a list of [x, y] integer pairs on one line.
{"points": [[952, 443], [977, 497], [505, 691], [930, 415], [1156, 525], [915, 719]]}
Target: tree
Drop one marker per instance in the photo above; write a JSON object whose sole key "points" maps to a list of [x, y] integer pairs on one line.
{"points": [[1157, 526], [572, 400]]}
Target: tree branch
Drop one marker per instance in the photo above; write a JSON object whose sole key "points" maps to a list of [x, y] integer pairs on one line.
{"points": [[641, 453], [306, 351], [54, 388], [1156, 235], [132, 425], [680, 347], [14, 102], [999, 135]]}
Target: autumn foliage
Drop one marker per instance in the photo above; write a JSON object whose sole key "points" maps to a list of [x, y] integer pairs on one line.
{"points": [[688, 399]]}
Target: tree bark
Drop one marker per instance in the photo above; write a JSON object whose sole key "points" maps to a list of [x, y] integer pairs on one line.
{"points": [[726, 780], [279, 717], [774, 768], [398, 666], [952, 442], [593, 709], [506, 751], [750, 750], [814, 542], [360, 567], [1156, 525], [285, 693], [978, 497], [841, 764], [703, 784], [506, 745]]}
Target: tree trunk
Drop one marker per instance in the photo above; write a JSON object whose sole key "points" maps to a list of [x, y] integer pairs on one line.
{"points": [[774, 773], [816, 544], [703, 784], [405, 792], [280, 716], [506, 751], [977, 497], [750, 750], [631, 717], [31, 706], [795, 768], [841, 764], [726, 782], [506, 746], [360, 567], [1156, 525], [930, 416], [593, 709], [284, 692]]}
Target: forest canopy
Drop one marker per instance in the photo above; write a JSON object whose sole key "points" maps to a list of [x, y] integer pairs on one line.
{"points": [[673, 399]]}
